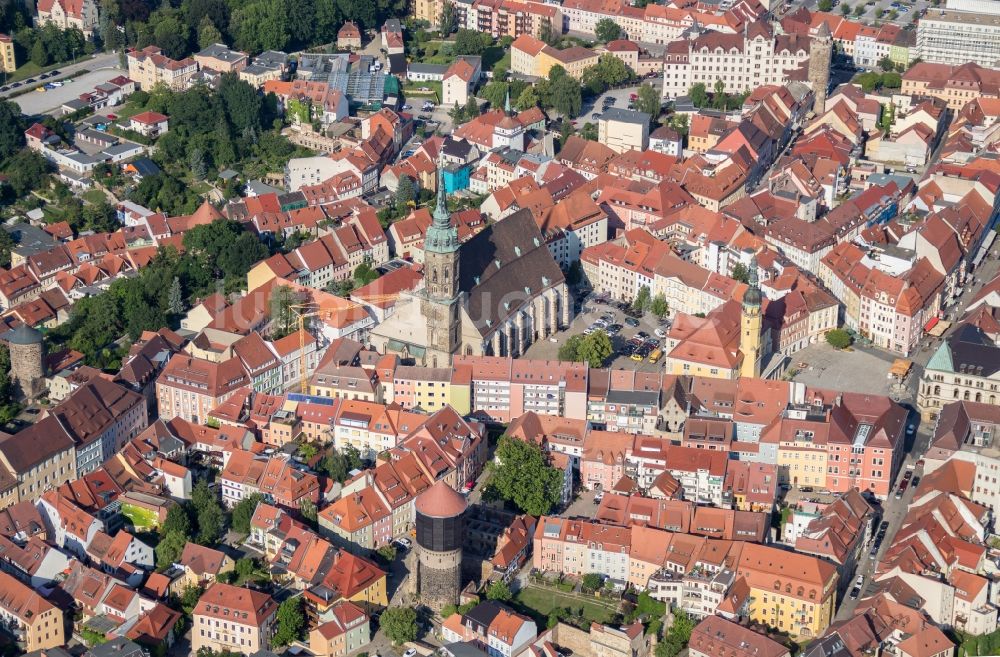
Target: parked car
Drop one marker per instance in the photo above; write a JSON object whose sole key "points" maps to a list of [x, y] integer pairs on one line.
{"points": [[642, 334], [598, 497], [660, 333], [855, 593], [403, 542], [631, 321]]}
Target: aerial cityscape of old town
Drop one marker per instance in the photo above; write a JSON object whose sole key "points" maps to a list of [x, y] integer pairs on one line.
{"points": [[499, 328]]}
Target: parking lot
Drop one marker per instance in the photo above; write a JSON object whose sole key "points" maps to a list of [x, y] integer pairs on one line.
{"points": [[907, 10], [590, 313], [50, 102]]}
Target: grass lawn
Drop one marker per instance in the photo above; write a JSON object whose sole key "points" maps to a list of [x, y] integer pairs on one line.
{"points": [[141, 518], [412, 89], [94, 196], [538, 603]]}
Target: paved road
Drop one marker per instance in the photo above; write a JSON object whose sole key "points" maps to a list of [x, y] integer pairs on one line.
{"points": [[50, 102], [96, 61]]}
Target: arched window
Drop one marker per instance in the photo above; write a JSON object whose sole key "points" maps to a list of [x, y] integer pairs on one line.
{"points": [[434, 275]]}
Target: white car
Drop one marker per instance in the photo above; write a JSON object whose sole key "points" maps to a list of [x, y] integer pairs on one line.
{"points": [[403, 543], [660, 333], [410, 653]]}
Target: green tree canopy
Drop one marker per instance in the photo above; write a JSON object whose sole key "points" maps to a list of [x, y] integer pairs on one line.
{"points": [[595, 348], [648, 100], [520, 475], [243, 513], [659, 306], [839, 339], [291, 622], [499, 591], [399, 624], [607, 30]]}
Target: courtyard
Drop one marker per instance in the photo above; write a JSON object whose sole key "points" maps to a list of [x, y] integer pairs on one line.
{"points": [[853, 370]]}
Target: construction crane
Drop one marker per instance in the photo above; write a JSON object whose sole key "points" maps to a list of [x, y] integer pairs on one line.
{"points": [[307, 310]]}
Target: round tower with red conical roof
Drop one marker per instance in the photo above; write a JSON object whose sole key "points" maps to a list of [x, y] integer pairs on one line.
{"points": [[440, 535]]}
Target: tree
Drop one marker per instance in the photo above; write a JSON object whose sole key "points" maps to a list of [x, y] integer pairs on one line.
{"points": [[592, 581], [446, 22], [399, 624], [528, 99], [169, 549], [648, 100], [211, 522], [565, 95], [471, 108], [12, 127], [589, 132], [406, 194], [569, 349], [740, 273], [679, 122], [825, 5], [196, 160], [860, 9], [677, 637], [365, 274], [698, 94], [594, 349], [607, 30], [470, 42], [495, 93], [659, 306], [177, 521], [845, 9], [309, 511], [892, 80], [338, 465], [208, 33], [261, 25], [642, 299], [243, 513], [869, 81], [839, 339], [291, 621], [175, 300], [521, 476], [499, 591]]}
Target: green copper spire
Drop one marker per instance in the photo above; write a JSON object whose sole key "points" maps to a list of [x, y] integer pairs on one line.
{"points": [[441, 236], [506, 103], [441, 216]]}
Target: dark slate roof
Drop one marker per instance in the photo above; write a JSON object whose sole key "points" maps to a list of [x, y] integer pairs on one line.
{"points": [[503, 267], [453, 147], [23, 334], [973, 349], [625, 116]]}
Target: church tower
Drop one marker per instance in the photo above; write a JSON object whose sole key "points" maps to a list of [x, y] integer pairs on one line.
{"points": [[440, 306], [820, 58], [750, 325]]}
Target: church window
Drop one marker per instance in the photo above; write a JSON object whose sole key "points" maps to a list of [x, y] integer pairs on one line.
{"points": [[434, 275]]}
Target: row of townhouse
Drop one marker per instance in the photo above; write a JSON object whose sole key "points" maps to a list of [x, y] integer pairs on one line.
{"points": [[893, 291], [866, 45], [70, 440], [278, 479], [940, 553], [790, 592]]}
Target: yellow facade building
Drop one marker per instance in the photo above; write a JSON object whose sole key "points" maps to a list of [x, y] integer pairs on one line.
{"points": [[7, 62], [790, 592]]}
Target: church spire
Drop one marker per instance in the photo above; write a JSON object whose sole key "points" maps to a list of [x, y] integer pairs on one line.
{"points": [[441, 216], [441, 236], [506, 102]]}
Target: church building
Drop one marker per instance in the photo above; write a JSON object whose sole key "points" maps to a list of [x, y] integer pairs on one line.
{"points": [[493, 295]]}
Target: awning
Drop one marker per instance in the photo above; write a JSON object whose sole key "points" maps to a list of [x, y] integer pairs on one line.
{"points": [[900, 368], [931, 324], [939, 328]]}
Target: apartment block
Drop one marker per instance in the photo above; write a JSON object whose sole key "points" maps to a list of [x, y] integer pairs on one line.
{"points": [[233, 618]]}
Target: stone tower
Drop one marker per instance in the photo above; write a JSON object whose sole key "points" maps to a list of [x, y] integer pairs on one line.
{"points": [[820, 58], [440, 535], [27, 354], [440, 306], [750, 325]]}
